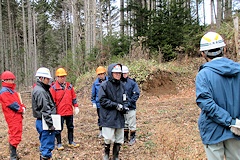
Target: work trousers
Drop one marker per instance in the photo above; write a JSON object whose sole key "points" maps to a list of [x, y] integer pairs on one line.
{"points": [[130, 120], [228, 149], [46, 139], [70, 127], [113, 135]]}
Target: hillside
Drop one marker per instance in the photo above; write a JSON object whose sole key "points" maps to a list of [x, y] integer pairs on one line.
{"points": [[166, 120]]}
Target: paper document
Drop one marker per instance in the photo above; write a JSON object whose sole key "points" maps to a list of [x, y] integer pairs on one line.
{"points": [[56, 122]]}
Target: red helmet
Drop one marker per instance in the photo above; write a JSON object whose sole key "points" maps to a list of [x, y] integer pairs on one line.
{"points": [[7, 75]]}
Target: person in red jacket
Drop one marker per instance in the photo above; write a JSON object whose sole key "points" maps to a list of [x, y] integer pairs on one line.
{"points": [[65, 99], [12, 108]]}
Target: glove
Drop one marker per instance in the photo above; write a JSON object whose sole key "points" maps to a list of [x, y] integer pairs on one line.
{"points": [[24, 110], [125, 108], [76, 110], [94, 105], [236, 128], [119, 107]]}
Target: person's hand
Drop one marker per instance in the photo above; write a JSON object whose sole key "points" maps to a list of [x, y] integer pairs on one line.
{"points": [[52, 128], [94, 105], [119, 107], [76, 110], [236, 128]]}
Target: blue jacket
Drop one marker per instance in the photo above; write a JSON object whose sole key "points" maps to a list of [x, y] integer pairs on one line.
{"points": [[218, 97], [95, 89], [133, 92], [110, 95]]}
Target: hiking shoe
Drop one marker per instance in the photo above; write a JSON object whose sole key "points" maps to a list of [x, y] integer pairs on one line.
{"points": [[60, 147], [74, 145], [132, 141]]}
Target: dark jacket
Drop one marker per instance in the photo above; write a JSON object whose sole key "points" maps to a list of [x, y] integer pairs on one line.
{"points": [[133, 92], [217, 95], [42, 103], [110, 95]]}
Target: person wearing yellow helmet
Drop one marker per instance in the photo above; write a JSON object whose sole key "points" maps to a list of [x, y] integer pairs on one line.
{"points": [[65, 99], [217, 95], [101, 77]]}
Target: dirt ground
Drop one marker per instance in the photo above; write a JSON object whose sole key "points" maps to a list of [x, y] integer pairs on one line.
{"points": [[166, 120]]}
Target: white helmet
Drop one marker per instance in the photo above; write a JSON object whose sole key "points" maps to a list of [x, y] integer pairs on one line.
{"points": [[43, 72], [211, 40], [125, 69], [117, 68]]}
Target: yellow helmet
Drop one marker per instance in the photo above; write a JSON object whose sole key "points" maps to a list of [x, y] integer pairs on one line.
{"points": [[100, 70], [60, 72]]}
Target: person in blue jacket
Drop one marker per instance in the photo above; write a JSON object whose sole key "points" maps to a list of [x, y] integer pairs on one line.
{"points": [[101, 76], [217, 95], [133, 93], [112, 97]]}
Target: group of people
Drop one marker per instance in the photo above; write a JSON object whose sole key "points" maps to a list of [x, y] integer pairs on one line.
{"points": [[47, 99], [114, 95]]}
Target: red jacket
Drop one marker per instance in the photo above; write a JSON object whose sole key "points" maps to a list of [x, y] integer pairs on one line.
{"points": [[12, 109], [64, 98]]}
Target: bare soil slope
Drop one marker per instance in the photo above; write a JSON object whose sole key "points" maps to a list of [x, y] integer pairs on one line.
{"points": [[166, 121]]}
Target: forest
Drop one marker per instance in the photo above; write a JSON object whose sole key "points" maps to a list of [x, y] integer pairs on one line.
{"points": [[82, 34]]}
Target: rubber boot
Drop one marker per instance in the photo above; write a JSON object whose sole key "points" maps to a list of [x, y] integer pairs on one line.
{"points": [[116, 149], [13, 152], [100, 132], [106, 151], [58, 137], [126, 133], [132, 138], [70, 136]]}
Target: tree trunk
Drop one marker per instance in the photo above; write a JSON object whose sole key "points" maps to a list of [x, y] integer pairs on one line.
{"points": [[25, 46], [10, 67], [122, 17], [219, 13], [1, 40]]}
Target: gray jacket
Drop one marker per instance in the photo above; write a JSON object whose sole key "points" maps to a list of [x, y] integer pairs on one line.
{"points": [[42, 103]]}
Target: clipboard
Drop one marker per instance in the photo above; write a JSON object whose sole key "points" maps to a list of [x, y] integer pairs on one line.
{"points": [[56, 122]]}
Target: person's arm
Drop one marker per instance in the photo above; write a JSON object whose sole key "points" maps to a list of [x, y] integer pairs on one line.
{"points": [[42, 100], [205, 102], [93, 95], [105, 102], [135, 93]]}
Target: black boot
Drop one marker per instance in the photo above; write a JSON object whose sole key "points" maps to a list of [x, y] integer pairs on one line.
{"points": [[13, 152], [100, 132], [116, 149], [70, 136], [106, 151], [126, 133], [132, 138]]}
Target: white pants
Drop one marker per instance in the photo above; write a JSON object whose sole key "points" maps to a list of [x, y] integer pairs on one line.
{"points": [[229, 149], [113, 135], [130, 120]]}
